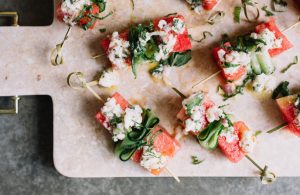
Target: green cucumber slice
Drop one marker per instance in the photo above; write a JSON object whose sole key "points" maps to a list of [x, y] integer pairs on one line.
{"points": [[211, 142], [255, 64], [265, 62]]}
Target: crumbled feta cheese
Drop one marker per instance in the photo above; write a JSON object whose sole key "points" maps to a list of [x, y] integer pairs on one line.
{"points": [[196, 5], [231, 70], [162, 24], [186, 101], [71, 9], [166, 47], [221, 54], [152, 159], [214, 114], [248, 142], [178, 26], [111, 109], [269, 38], [109, 78], [229, 134], [264, 82], [194, 126], [119, 132], [118, 51], [197, 113], [133, 116], [238, 58]]}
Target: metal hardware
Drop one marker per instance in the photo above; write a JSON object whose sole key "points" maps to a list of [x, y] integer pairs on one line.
{"points": [[13, 15], [14, 110]]}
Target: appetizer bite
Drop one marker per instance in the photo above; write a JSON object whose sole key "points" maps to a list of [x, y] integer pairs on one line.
{"points": [[137, 135], [213, 128], [289, 105], [200, 117], [164, 41], [249, 59], [83, 13], [290, 109], [199, 5]]}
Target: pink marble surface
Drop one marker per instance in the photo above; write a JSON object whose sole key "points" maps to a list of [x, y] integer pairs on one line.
{"points": [[83, 149]]}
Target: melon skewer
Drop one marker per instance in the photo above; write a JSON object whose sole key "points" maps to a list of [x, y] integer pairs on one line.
{"points": [[266, 176], [218, 72], [77, 81]]}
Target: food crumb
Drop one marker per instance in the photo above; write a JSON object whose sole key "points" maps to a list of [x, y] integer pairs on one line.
{"points": [[39, 77]]}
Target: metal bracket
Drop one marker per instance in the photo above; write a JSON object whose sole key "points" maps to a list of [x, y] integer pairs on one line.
{"points": [[13, 15], [14, 110]]}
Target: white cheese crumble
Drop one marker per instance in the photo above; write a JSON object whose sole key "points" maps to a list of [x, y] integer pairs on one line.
{"points": [[264, 83], [72, 10], [109, 78], [118, 51], [248, 142], [221, 54], [119, 132], [111, 109], [133, 116], [214, 114], [151, 159], [166, 47], [229, 134], [238, 58], [269, 38], [178, 26], [186, 101], [197, 120], [195, 5]]}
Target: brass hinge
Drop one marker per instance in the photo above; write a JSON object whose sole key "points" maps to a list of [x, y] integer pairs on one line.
{"points": [[13, 15], [14, 110]]}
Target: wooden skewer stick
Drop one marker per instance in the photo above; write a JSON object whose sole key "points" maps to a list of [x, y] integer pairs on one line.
{"points": [[98, 56], [206, 79], [173, 175], [277, 128], [266, 176], [216, 73], [83, 84]]}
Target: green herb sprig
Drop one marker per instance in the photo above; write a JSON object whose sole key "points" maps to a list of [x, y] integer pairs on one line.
{"points": [[196, 160], [295, 61]]}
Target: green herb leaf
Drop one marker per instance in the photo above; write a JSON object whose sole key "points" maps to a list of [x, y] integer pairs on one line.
{"points": [[281, 90], [115, 121], [295, 61], [137, 50], [136, 138], [179, 59], [102, 30], [257, 133], [279, 5], [196, 161], [216, 17], [267, 12], [205, 34], [195, 101], [237, 14], [249, 3], [208, 138], [101, 4]]}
